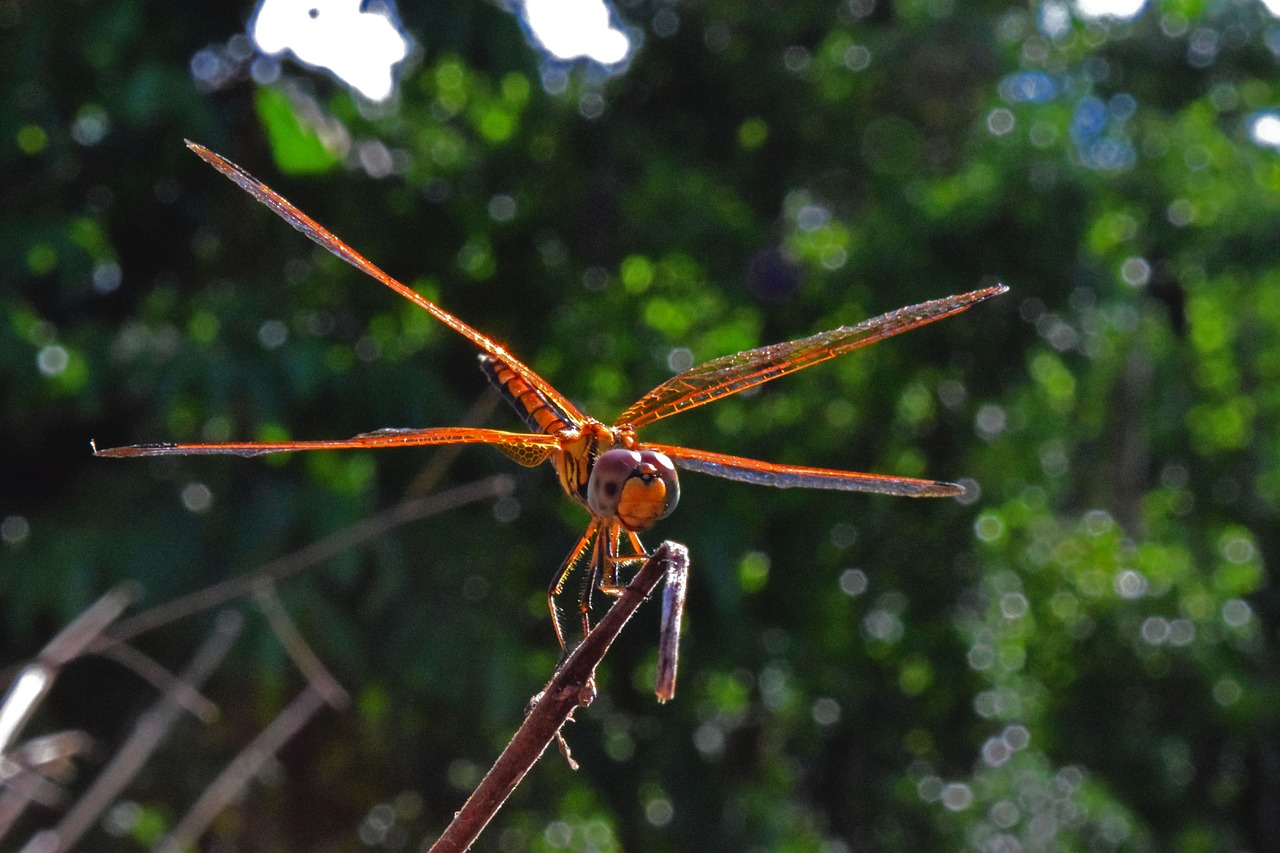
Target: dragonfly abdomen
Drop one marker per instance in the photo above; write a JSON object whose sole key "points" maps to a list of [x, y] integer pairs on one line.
{"points": [[538, 413]]}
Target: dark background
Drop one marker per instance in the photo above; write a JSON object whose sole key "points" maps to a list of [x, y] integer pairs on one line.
{"points": [[1080, 656]]}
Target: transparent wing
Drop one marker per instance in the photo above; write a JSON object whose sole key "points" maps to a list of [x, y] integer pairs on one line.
{"points": [[526, 448], [323, 237], [798, 477], [730, 374]]}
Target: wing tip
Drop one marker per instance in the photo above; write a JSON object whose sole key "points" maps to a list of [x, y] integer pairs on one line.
{"points": [[129, 450], [943, 490], [199, 150], [985, 293]]}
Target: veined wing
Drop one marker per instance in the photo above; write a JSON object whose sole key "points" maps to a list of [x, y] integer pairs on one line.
{"points": [[798, 477], [526, 448], [323, 237], [730, 374]]}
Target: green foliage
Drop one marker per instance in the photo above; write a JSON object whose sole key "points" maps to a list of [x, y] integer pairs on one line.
{"points": [[1080, 655], [295, 147]]}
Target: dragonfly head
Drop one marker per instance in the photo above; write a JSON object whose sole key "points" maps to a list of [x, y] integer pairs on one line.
{"points": [[636, 487]]}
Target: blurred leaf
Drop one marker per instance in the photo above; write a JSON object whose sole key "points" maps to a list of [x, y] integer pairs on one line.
{"points": [[296, 148]]}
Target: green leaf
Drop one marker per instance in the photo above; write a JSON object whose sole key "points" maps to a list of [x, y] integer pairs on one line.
{"points": [[297, 148]]}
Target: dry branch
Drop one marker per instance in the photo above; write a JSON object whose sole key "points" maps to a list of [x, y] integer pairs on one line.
{"points": [[150, 730], [231, 781], [304, 558], [34, 682], [573, 686]]}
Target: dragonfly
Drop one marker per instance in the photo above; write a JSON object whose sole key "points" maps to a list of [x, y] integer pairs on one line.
{"points": [[627, 485]]}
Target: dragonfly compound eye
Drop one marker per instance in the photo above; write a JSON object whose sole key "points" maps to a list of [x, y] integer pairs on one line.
{"points": [[608, 476], [635, 488], [665, 472]]}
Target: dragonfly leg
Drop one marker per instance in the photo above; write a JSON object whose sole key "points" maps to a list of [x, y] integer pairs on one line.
{"points": [[562, 575], [610, 584], [601, 574], [601, 557], [636, 544]]}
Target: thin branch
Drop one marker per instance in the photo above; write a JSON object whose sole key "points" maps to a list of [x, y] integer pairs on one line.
{"points": [[20, 791], [28, 683], [305, 557], [439, 461], [49, 755], [147, 734], [320, 679], [669, 631], [572, 687], [36, 771], [36, 679], [159, 677], [232, 780]]}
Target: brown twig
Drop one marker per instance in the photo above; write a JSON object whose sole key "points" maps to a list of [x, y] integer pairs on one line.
{"points": [[299, 651], [439, 462], [573, 686], [159, 677], [147, 734], [36, 679], [303, 558], [232, 780]]}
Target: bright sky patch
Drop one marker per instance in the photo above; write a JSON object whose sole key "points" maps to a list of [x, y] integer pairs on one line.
{"points": [[1264, 129], [1121, 10], [360, 47], [575, 29]]}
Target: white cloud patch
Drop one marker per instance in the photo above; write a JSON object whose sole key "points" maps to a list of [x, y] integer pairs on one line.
{"points": [[1121, 10], [573, 29], [359, 47]]}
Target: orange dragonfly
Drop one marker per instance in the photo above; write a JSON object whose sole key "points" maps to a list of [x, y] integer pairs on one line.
{"points": [[625, 484]]}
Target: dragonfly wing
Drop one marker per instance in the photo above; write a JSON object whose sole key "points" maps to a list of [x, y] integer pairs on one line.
{"points": [[798, 477], [326, 239], [525, 448], [730, 374]]}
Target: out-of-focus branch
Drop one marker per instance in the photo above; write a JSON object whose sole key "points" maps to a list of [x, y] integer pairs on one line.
{"points": [[33, 683], [36, 678], [161, 679], [147, 734], [322, 688], [232, 780], [304, 558], [307, 661]]}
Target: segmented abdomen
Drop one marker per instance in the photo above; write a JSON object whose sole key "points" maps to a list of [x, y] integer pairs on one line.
{"points": [[539, 413]]}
